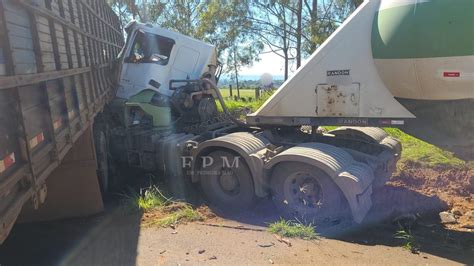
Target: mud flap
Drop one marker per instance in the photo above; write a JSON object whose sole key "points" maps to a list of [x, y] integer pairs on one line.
{"points": [[355, 183], [72, 188]]}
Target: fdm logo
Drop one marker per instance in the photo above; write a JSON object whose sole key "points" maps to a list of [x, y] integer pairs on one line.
{"points": [[208, 161], [211, 166]]}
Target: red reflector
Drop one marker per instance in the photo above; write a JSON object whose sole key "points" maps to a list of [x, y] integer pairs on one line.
{"points": [[40, 137], [451, 74], [9, 160], [36, 140]]}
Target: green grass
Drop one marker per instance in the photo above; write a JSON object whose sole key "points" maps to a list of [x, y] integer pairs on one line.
{"points": [[146, 200], [236, 105], [244, 93], [421, 152], [293, 229], [408, 239], [233, 105], [158, 209], [416, 150], [184, 213]]}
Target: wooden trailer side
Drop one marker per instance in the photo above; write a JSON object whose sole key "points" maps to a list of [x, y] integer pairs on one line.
{"points": [[56, 74]]}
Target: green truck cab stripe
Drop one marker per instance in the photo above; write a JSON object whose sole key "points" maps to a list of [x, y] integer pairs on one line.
{"points": [[439, 28]]}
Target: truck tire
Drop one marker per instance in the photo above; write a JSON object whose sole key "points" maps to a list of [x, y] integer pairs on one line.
{"points": [[103, 173], [304, 191], [227, 187]]}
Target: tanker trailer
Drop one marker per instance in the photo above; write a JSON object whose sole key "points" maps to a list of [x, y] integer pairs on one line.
{"points": [[390, 59], [424, 53]]}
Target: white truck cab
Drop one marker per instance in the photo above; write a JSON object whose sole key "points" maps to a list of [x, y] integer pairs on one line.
{"points": [[154, 53]]}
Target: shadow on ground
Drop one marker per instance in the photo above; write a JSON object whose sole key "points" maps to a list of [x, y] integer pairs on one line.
{"points": [[110, 238], [379, 227]]}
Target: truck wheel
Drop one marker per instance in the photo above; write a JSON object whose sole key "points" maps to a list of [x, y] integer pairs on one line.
{"points": [[102, 161], [227, 184], [304, 191]]}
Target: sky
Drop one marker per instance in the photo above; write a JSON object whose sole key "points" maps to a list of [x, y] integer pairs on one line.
{"points": [[269, 63]]}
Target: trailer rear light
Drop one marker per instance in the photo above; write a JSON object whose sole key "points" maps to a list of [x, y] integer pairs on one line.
{"points": [[8, 161], [387, 122], [397, 122], [451, 74]]}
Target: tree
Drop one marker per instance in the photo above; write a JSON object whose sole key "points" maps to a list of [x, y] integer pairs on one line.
{"points": [[221, 23], [122, 8], [273, 22], [293, 29], [356, 3], [131, 9], [240, 56], [299, 32], [180, 15], [240, 29]]}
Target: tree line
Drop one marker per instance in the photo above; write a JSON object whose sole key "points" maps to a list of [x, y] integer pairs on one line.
{"points": [[241, 30]]}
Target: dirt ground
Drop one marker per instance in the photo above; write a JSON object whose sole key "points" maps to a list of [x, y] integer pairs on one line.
{"points": [[118, 238], [436, 190]]}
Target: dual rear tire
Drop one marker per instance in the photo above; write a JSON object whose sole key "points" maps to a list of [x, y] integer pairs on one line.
{"points": [[298, 190], [304, 191]]}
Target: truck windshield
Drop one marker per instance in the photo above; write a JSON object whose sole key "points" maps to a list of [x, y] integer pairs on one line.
{"points": [[150, 48]]}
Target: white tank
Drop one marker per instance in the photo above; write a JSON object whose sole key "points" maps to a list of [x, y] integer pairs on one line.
{"points": [[389, 62]]}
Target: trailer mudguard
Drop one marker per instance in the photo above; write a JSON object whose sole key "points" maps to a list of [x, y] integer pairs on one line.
{"points": [[371, 135], [387, 160], [352, 177]]}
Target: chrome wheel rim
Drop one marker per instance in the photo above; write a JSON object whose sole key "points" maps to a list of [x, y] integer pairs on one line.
{"points": [[303, 191]]}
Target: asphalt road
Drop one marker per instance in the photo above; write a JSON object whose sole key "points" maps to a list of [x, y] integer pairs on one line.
{"points": [[116, 238]]}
